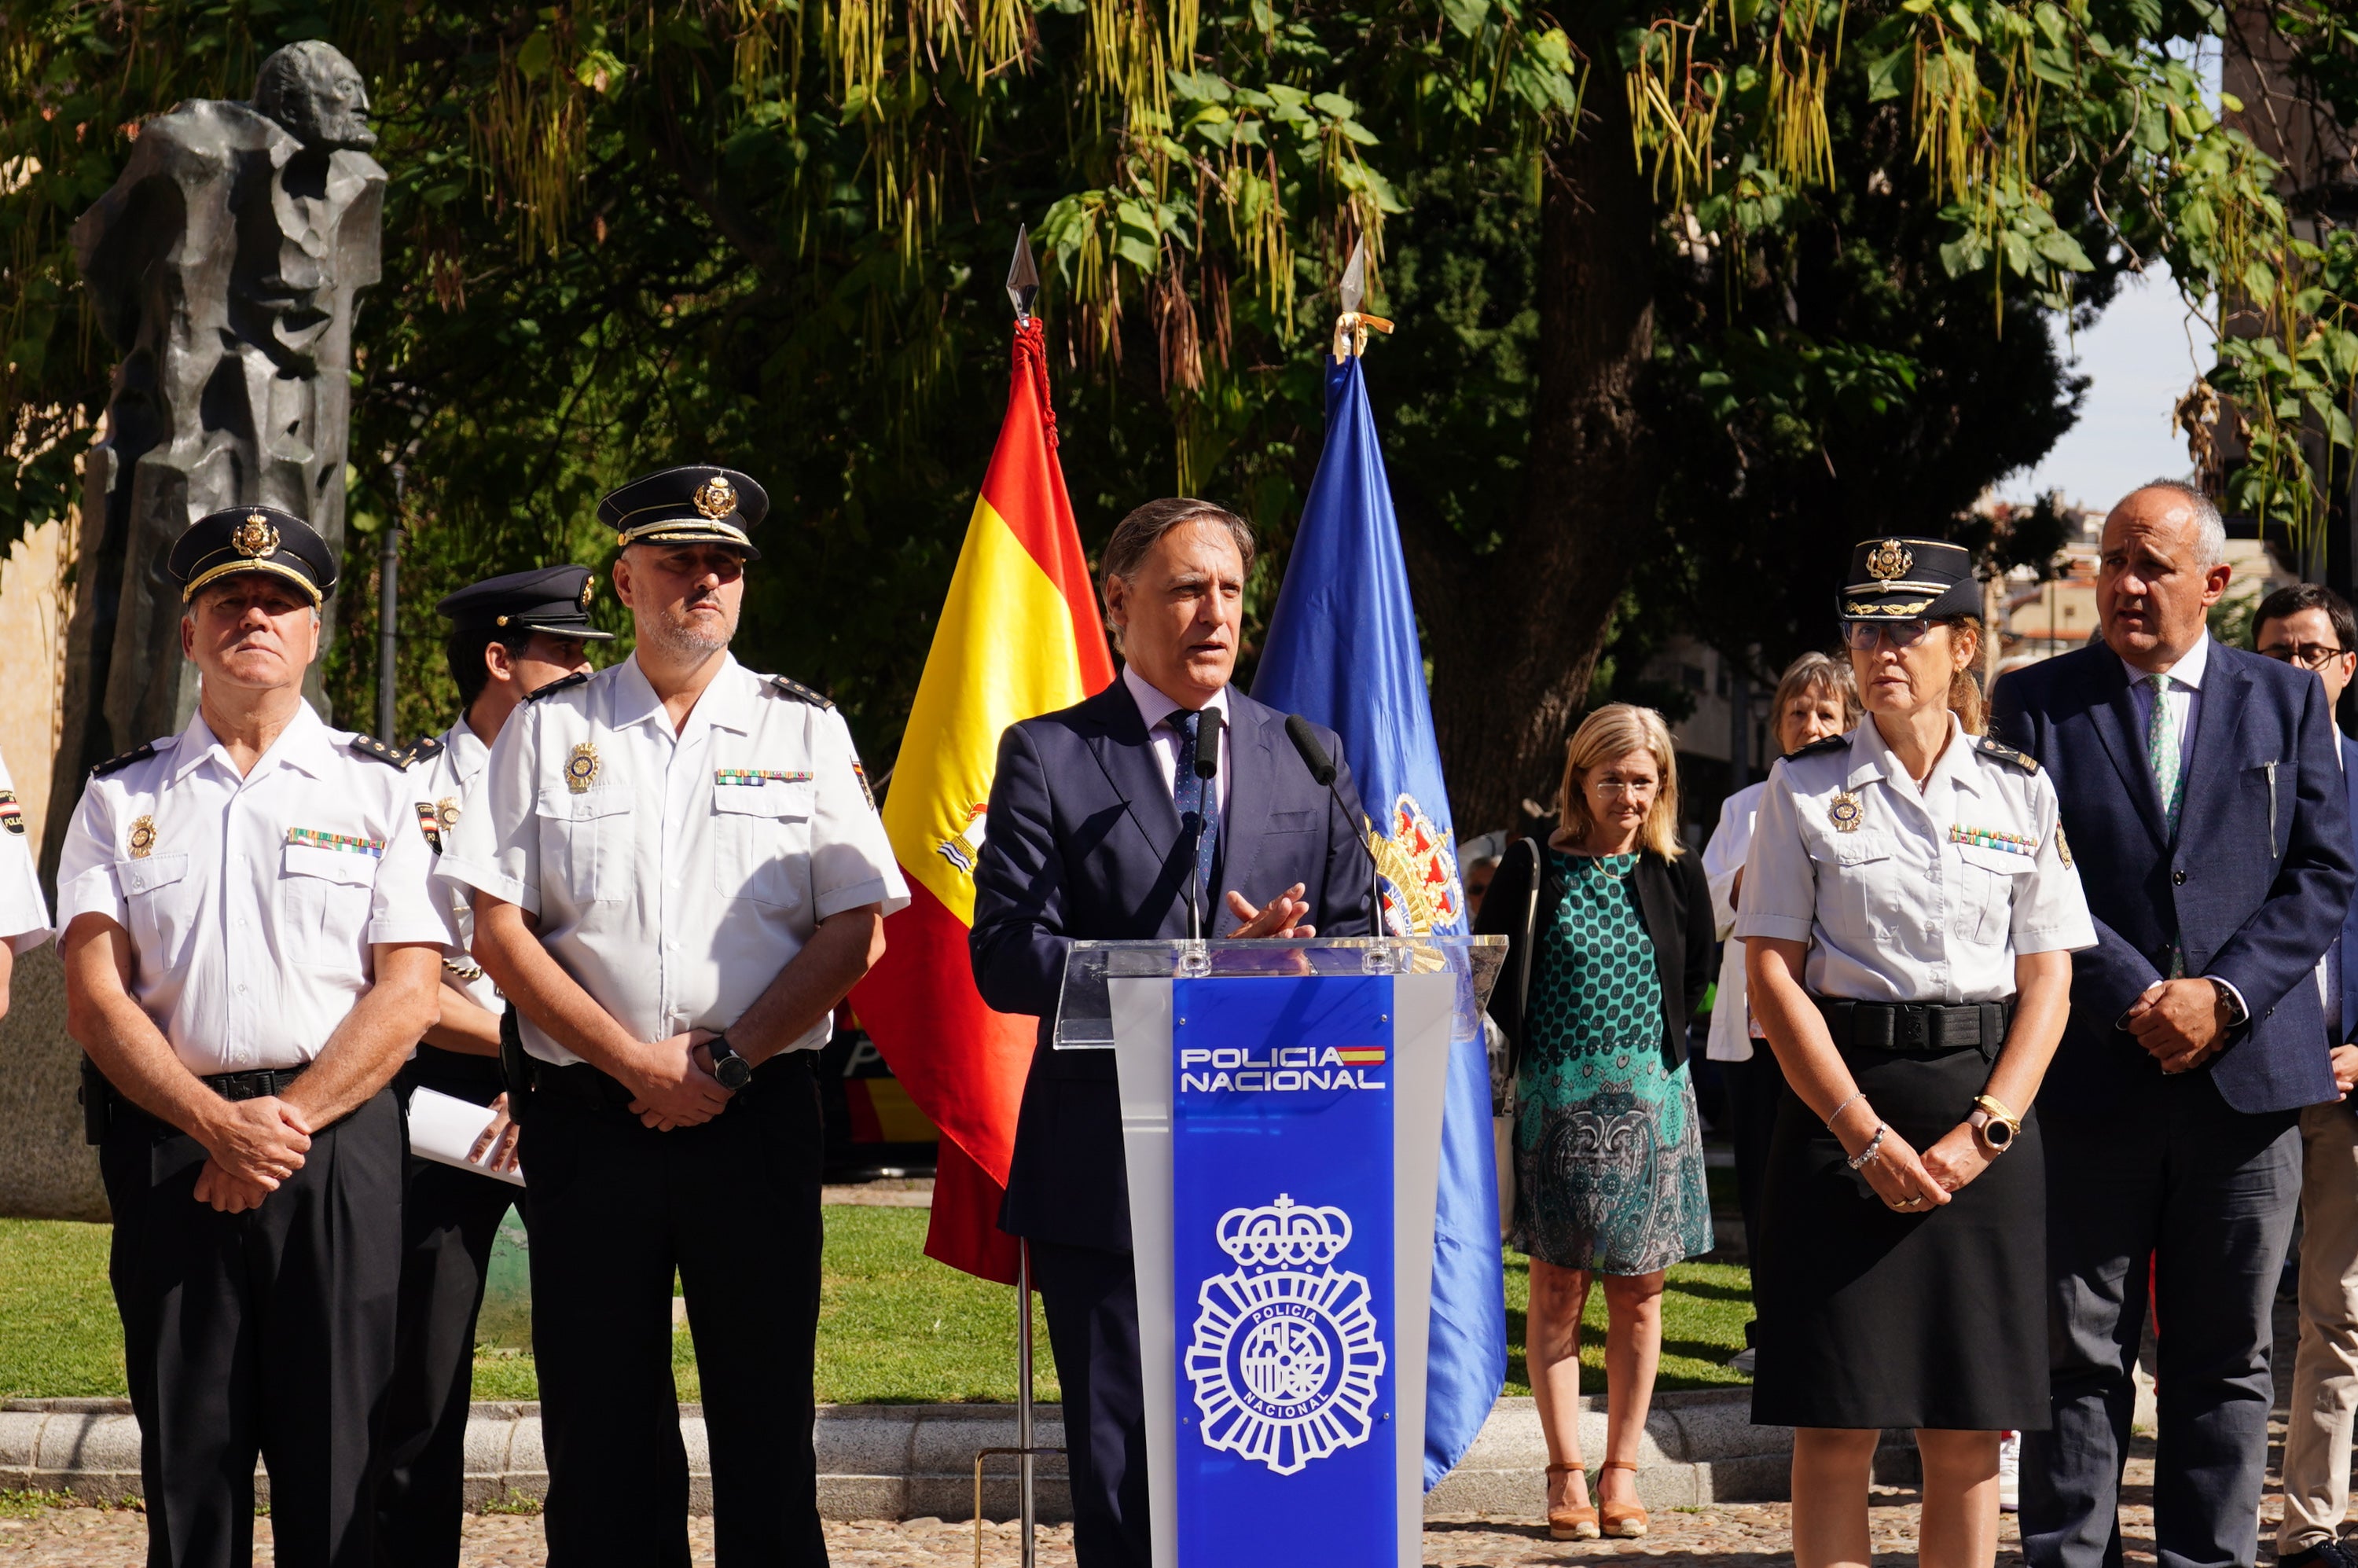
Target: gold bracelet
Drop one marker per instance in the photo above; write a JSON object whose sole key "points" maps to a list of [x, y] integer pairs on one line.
{"points": [[1998, 1111]]}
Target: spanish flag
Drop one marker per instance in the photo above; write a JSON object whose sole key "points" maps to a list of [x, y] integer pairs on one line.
{"points": [[1018, 636]]}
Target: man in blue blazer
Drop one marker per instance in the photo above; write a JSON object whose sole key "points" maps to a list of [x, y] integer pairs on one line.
{"points": [[2205, 809], [1101, 827], [2311, 627]]}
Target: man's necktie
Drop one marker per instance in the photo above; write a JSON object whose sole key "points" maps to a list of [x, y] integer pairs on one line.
{"points": [[2161, 751], [1196, 797]]}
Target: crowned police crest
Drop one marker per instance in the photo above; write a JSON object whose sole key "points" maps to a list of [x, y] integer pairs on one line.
{"points": [[1287, 1355]]}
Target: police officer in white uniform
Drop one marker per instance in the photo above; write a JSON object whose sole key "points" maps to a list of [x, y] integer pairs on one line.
{"points": [[251, 950], [678, 873], [510, 636], [24, 913], [1909, 913]]}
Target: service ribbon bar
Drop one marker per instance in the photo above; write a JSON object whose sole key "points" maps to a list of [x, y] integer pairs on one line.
{"points": [[1991, 838], [344, 842], [756, 777]]}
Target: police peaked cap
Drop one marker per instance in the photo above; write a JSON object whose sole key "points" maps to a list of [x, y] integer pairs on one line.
{"points": [[554, 599], [1909, 579], [697, 504], [252, 539]]}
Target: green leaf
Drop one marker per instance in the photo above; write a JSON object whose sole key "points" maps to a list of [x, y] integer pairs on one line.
{"points": [[1465, 16], [1334, 105], [532, 58], [2064, 251]]}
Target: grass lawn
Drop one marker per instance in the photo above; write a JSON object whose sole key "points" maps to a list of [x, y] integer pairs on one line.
{"points": [[894, 1325]]}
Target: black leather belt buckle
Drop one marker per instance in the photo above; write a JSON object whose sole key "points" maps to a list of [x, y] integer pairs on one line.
{"points": [[255, 1084]]}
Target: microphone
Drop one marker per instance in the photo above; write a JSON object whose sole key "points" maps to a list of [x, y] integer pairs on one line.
{"points": [[1322, 773], [1208, 724]]}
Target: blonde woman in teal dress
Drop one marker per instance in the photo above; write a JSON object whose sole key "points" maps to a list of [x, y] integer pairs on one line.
{"points": [[1610, 926]]}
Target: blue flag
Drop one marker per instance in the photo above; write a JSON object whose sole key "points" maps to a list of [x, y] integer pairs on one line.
{"points": [[1343, 651]]}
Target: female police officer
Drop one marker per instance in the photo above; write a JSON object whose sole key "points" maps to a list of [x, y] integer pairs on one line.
{"points": [[1909, 910]]}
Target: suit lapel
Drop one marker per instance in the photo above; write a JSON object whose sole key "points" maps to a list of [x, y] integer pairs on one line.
{"points": [[2215, 730], [2116, 724], [1252, 787], [1118, 743]]}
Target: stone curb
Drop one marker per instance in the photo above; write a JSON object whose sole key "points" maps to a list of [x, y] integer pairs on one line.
{"points": [[914, 1461]]}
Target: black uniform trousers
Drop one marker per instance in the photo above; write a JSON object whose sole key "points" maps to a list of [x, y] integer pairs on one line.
{"points": [[451, 1218], [1755, 1088], [269, 1332], [614, 1208], [1090, 1297]]}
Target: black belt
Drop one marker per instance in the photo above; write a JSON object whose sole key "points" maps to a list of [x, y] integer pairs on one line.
{"points": [[587, 1084], [1916, 1026], [261, 1082]]}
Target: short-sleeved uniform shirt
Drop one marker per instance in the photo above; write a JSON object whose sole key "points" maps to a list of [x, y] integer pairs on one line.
{"points": [[1912, 895], [674, 874], [441, 783], [24, 913], [252, 901]]}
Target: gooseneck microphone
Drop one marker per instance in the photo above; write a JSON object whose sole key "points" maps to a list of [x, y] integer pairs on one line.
{"points": [[1208, 722], [1322, 772]]}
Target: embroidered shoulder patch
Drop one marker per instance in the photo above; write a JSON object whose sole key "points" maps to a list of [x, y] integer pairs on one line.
{"points": [[12, 816]]}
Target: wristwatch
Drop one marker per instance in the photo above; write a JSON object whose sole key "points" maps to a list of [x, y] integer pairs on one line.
{"points": [[1996, 1135], [733, 1071]]}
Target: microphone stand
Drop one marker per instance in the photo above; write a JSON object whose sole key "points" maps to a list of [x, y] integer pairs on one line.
{"points": [[1208, 725], [1323, 771]]}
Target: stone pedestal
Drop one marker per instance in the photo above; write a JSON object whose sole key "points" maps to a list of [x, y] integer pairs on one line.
{"points": [[47, 1171]]}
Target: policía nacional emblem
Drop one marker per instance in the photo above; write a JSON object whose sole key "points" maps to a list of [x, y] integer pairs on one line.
{"points": [[254, 537], [1285, 1354], [1889, 560], [716, 497], [582, 768], [142, 838], [1845, 812], [12, 816], [1420, 872], [446, 811]]}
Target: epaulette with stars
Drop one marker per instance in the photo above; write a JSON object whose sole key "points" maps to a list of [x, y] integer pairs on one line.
{"points": [[424, 749], [562, 683], [798, 691], [116, 764], [1821, 747], [393, 757], [2004, 754]]}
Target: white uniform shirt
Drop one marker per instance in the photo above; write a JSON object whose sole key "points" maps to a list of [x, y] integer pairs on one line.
{"points": [[1927, 897], [441, 783], [673, 875], [24, 913], [1156, 709], [1723, 862], [250, 901]]}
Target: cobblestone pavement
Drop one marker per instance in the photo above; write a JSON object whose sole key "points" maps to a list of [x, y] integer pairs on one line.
{"points": [[1736, 1535]]}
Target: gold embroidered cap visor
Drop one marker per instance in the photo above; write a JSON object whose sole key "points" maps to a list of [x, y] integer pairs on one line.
{"points": [[1906, 579], [243, 540], [694, 504]]}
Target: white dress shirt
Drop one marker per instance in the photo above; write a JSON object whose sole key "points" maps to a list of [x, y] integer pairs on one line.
{"points": [[674, 874], [1156, 709], [1929, 895], [24, 913], [252, 901], [442, 784], [1723, 862]]}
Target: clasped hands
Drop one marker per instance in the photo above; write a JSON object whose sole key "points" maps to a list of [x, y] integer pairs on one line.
{"points": [[2180, 1023], [1907, 1182], [251, 1145], [672, 1084]]}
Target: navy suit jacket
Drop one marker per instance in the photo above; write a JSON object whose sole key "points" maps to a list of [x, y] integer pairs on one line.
{"points": [[1085, 843], [2258, 885]]}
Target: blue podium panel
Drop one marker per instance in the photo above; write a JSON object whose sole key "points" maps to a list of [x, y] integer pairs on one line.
{"points": [[1282, 1279]]}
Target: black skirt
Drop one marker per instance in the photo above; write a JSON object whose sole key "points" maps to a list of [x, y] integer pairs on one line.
{"points": [[1871, 1318]]}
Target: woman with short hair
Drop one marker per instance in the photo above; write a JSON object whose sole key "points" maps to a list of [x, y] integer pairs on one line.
{"points": [[1909, 916], [1609, 929]]}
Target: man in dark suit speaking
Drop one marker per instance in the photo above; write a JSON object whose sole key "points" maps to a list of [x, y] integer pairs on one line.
{"points": [[1102, 827], [2204, 801]]}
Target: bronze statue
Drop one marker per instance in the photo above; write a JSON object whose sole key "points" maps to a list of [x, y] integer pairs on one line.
{"points": [[226, 265]]}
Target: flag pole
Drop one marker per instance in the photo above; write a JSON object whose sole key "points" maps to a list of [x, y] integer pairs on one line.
{"points": [[1023, 287]]}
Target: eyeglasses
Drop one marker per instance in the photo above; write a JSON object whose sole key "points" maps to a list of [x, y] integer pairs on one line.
{"points": [[2309, 656], [1627, 786], [1861, 635]]}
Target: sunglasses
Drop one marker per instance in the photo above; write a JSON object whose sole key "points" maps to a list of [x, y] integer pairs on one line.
{"points": [[1862, 636]]}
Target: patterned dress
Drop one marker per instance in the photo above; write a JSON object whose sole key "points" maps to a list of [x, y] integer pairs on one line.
{"points": [[1608, 1157]]}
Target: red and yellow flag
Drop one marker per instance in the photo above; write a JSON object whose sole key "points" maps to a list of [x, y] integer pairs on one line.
{"points": [[1018, 636]]}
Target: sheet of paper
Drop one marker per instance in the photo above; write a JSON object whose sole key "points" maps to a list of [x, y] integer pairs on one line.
{"points": [[442, 1128]]}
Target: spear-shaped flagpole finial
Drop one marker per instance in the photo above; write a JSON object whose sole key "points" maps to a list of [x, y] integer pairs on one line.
{"points": [[1022, 276], [1351, 327]]}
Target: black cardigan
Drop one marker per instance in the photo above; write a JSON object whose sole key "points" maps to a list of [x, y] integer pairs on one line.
{"points": [[1674, 902]]}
